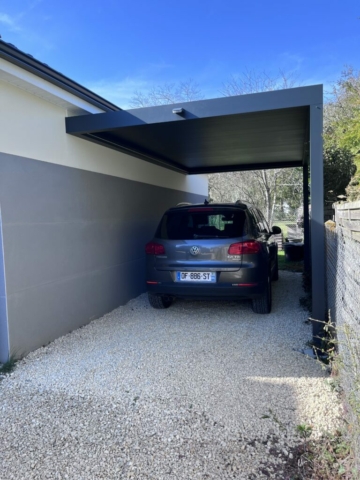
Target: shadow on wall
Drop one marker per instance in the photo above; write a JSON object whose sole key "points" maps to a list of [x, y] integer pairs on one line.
{"points": [[4, 335]]}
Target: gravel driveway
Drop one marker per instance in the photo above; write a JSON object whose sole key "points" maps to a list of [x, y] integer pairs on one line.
{"points": [[198, 391]]}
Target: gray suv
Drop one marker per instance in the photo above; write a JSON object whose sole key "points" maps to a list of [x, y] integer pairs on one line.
{"points": [[223, 251]]}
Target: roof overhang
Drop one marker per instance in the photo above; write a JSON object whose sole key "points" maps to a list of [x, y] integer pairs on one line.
{"points": [[28, 63], [245, 132]]}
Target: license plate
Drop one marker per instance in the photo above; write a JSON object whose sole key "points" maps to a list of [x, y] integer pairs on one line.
{"points": [[208, 277]]}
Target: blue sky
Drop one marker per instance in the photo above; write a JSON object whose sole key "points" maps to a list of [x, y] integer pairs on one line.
{"points": [[117, 47]]}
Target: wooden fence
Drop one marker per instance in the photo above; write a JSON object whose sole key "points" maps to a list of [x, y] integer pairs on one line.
{"points": [[347, 215]]}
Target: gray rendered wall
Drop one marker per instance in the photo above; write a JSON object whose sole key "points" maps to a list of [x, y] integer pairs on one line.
{"points": [[73, 245]]}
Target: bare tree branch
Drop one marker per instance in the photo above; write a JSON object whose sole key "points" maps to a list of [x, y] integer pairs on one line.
{"points": [[254, 82], [167, 93]]}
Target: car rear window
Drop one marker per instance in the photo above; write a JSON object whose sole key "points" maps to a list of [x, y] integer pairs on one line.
{"points": [[204, 223]]}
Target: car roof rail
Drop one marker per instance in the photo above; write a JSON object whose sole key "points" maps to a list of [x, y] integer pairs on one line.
{"points": [[183, 204]]}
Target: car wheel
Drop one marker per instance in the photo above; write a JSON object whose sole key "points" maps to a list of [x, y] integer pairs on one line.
{"points": [[276, 269], [160, 301], [263, 304]]}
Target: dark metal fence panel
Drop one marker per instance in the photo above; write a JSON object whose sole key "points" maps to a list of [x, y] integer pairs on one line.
{"points": [[343, 301]]}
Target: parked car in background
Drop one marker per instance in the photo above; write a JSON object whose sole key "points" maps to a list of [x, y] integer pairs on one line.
{"points": [[223, 251]]}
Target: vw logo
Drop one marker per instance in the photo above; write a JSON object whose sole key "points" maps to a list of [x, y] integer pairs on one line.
{"points": [[194, 250]]}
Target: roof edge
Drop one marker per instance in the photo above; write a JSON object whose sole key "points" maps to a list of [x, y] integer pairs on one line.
{"points": [[25, 61]]}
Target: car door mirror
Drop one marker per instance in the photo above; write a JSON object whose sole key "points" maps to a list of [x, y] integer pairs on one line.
{"points": [[276, 230]]}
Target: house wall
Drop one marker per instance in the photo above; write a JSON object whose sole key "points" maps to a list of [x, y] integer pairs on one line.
{"points": [[75, 218]]}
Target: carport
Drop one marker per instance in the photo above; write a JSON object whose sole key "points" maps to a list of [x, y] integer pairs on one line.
{"points": [[278, 129]]}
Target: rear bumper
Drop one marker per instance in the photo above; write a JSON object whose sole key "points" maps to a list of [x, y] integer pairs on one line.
{"points": [[218, 290]]}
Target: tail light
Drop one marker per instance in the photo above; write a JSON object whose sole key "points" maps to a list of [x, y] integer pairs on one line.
{"points": [[153, 248], [243, 248]]}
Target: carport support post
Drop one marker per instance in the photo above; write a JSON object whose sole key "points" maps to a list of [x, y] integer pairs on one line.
{"points": [[317, 221], [307, 249]]}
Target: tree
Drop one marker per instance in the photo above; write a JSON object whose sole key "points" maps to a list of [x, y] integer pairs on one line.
{"points": [[342, 113], [342, 128], [270, 190], [254, 82], [167, 93], [339, 167]]}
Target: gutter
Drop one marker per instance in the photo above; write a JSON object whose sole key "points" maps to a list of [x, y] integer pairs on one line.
{"points": [[27, 62]]}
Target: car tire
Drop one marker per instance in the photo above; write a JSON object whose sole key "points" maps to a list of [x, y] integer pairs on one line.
{"points": [[276, 269], [262, 304], [160, 301]]}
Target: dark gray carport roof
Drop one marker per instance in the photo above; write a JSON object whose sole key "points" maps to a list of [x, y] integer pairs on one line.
{"points": [[263, 130]]}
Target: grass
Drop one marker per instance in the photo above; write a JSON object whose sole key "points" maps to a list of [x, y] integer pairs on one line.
{"points": [[326, 458], [284, 264]]}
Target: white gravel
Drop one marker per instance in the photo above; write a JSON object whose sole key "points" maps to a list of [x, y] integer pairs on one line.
{"points": [[199, 391]]}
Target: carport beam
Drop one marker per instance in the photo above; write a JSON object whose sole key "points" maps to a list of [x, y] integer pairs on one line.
{"points": [[317, 221]]}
